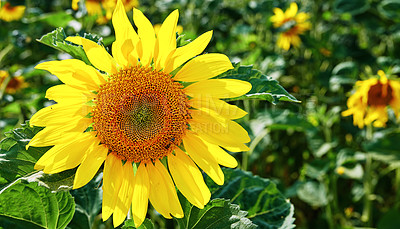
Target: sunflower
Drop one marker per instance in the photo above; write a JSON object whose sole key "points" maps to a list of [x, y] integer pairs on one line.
{"points": [[11, 13], [150, 112], [369, 104], [292, 25], [14, 84], [96, 7]]}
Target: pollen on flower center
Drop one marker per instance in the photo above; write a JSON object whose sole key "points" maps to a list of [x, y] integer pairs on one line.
{"points": [[140, 114], [380, 94]]}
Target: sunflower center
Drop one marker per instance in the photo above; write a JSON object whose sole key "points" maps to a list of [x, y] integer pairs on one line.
{"points": [[140, 114], [380, 94]]}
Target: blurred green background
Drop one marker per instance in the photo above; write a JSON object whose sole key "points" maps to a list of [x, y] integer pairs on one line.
{"points": [[335, 174]]}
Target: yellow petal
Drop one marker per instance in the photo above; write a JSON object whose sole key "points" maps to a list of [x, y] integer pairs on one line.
{"points": [[66, 156], [126, 39], [98, 56], [292, 11], [166, 40], [58, 134], [217, 125], [220, 155], [95, 157], [122, 26], [188, 179], [185, 53], [74, 73], [67, 94], [111, 184], [140, 195], [124, 199], [198, 151], [218, 88], [204, 67], [163, 195], [59, 114], [208, 104], [146, 34]]}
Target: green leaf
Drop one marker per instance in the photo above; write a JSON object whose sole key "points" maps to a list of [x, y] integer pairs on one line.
{"points": [[28, 205], [265, 205], [129, 224], [353, 7], [384, 147], [58, 19], [218, 213], [263, 87], [313, 193], [390, 220], [88, 200], [56, 39], [15, 160], [390, 9]]}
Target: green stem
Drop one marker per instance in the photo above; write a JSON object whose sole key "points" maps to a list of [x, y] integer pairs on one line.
{"points": [[368, 186], [397, 201], [367, 211], [328, 208], [5, 51], [253, 145]]}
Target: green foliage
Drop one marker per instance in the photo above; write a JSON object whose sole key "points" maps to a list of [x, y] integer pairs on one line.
{"points": [[56, 39], [88, 202], [263, 87], [218, 213], [147, 224], [265, 205], [28, 205], [15, 160]]}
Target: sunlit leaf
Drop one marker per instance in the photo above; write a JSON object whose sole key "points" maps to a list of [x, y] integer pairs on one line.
{"points": [[28, 205], [265, 205], [56, 39], [218, 213], [15, 160], [263, 87]]}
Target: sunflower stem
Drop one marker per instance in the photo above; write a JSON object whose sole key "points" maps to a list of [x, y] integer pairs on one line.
{"points": [[368, 186]]}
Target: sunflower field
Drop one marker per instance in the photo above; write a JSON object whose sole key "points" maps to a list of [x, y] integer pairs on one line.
{"points": [[197, 114]]}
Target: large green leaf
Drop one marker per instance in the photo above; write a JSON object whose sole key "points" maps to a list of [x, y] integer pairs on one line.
{"points": [[56, 39], [15, 160], [218, 213], [29, 205], [263, 87], [265, 205]]}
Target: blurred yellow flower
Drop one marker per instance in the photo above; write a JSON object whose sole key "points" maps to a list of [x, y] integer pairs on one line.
{"points": [[292, 23], [14, 84], [96, 7], [370, 102], [11, 13]]}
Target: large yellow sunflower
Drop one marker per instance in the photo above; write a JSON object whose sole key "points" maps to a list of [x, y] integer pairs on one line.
{"points": [[11, 13], [150, 112], [292, 23], [96, 7], [370, 102]]}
